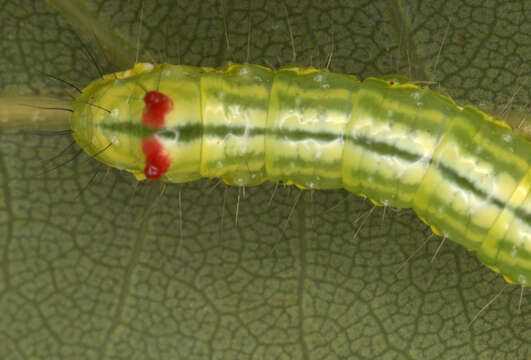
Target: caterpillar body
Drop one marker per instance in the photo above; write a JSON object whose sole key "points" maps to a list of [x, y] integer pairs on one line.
{"points": [[464, 173]]}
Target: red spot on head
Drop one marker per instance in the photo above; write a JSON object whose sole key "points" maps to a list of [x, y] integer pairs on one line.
{"points": [[157, 162], [157, 106], [391, 83]]}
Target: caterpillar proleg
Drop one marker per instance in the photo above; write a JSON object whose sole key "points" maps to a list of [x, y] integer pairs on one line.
{"points": [[465, 173]]}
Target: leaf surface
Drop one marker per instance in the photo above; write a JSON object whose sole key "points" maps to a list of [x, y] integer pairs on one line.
{"points": [[96, 266]]}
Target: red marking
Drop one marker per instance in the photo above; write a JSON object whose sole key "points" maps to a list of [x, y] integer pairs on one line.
{"points": [[391, 83], [157, 106], [157, 162]]}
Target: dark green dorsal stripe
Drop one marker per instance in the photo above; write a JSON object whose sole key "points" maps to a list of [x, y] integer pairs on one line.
{"points": [[384, 149], [186, 133], [190, 133]]}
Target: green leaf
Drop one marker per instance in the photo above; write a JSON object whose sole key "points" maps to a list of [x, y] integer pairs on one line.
{"points": [[96, 266]]}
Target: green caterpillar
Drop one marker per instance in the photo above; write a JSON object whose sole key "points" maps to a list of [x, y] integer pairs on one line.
{"points": [[464, 173]]}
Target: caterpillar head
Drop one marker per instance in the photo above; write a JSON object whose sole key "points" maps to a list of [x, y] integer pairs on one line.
{"points": [[146, 120]]}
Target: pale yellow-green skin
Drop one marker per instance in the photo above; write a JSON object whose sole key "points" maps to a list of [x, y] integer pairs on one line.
{"points": [[464, 173]]}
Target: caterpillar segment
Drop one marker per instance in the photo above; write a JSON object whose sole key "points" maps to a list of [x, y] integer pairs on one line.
{"points": [[463, 172]]}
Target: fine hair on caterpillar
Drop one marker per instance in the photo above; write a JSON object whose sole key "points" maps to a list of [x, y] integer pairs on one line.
{"points": [[134, 89], [387, 141]]}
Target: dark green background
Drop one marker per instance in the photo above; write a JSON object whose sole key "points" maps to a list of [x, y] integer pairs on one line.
{"points": [[104, 272]]}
